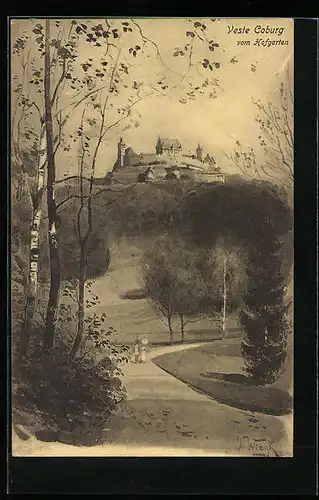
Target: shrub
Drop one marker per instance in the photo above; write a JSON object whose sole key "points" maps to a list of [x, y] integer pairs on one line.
{"points": [[71, 400]]}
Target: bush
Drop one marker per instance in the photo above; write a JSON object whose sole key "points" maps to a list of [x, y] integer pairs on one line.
{"points": [[71, 400]]}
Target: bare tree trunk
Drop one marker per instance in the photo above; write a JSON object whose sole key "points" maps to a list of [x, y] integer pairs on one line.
{"points": [[34, 250], [55, 271], [224, 297], [83, 241], [181, 317], [171, 333], [80, 325]]}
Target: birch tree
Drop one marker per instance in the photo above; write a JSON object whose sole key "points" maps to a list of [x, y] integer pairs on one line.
{"points": [[29, 157], [225, 281], [34, 248]]}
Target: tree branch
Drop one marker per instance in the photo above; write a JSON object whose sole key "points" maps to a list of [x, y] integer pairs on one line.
{"points": [[76, 104], [81, 164], [64, 71], [145, 39], [127, 115], [71, 177]]}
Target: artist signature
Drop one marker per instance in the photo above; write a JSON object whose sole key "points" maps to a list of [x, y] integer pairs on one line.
{"points": [[257, 447]]}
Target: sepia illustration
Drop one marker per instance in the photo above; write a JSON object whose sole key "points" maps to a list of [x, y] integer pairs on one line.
{"points": [[151, 268]]}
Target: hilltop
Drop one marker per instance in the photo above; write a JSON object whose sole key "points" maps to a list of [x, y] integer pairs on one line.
{"points": [[168, 162]]}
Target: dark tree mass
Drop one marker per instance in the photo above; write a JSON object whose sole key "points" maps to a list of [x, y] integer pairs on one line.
{"points": [[256, 217]]}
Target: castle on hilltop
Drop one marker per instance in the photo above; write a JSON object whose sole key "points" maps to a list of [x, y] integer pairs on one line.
{"points": [[168, 162]]}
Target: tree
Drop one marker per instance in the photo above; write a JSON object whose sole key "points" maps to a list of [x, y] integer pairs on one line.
{"points": [[264, 315], [83, 226], [159, 284], [190, 289], [55, 268], [275, 120], [86, 195], [173, 282], [225, 279], [34, 249], [28, 162]]}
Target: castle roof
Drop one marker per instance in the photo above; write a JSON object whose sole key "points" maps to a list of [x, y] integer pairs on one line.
{"points": [[171, 144]]}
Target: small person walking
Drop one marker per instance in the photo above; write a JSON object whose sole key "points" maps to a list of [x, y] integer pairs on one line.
{"points": [[137, 351], [144, 343], [143, 354]]}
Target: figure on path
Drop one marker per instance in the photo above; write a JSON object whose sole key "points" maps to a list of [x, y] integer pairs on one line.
{"points": [[143, 354], [137, 351], [144, 343]]}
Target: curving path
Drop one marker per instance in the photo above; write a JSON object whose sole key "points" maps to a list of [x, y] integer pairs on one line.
{"points": [[165, 417], [149, 381]]}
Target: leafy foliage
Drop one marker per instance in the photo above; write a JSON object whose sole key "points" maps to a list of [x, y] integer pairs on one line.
{"points": [[72, 401], [99, 339], [174, 280]]}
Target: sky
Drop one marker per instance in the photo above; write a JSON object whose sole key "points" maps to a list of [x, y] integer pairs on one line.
{"points": [[217, 123]]}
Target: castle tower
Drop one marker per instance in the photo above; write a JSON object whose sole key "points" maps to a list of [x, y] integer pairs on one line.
{"points": [[199, 153], [120, 153], [159, 147]]}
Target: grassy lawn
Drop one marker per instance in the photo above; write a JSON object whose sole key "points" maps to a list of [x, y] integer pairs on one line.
{"points": [[217, 370]]}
